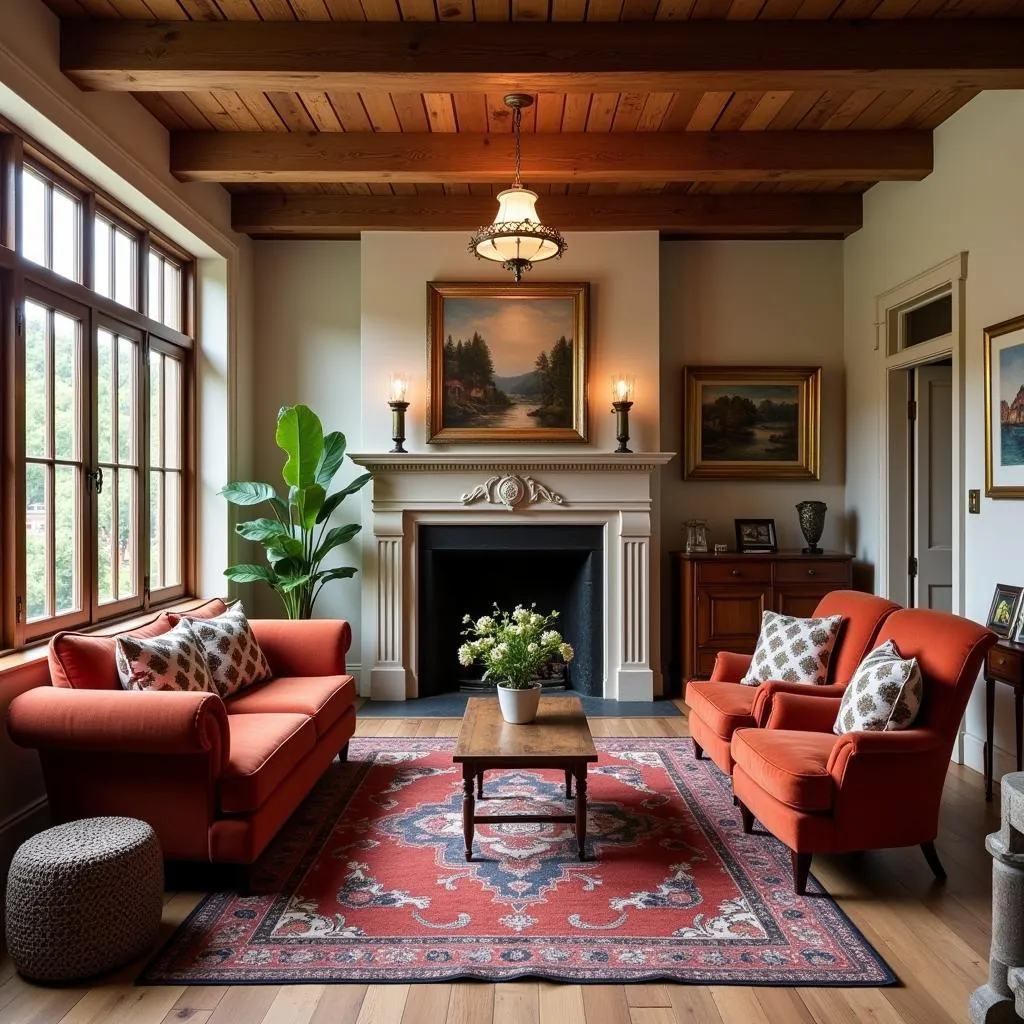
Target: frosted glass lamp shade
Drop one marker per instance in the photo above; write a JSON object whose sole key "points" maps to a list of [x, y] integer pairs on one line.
{"points": [[517, 233]]}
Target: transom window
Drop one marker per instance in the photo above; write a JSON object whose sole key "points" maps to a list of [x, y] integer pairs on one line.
{"points": [[100, 486]]}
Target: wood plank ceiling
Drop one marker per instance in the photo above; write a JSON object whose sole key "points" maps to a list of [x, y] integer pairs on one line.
{"points": [[708, 187]]}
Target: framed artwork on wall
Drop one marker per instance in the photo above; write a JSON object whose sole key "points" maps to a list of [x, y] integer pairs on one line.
{"points": [[755, 535], [507, 363], [1002, 613], [1004, 409], [751, 422]]}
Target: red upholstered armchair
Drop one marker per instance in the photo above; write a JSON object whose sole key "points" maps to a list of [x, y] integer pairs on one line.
{"points": [[822, 793], [719, 706]]}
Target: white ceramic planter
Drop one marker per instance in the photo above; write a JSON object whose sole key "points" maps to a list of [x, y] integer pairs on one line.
{"points": [[518, 707]]}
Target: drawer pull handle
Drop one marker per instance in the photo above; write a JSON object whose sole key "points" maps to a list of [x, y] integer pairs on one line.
{"points": [[812, 572], [735, 572]]}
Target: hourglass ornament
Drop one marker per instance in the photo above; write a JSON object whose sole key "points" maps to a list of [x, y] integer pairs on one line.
{"points": [[812, 524]]}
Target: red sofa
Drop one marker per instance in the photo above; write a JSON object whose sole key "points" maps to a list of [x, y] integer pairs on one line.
{"points": [[215, 778], [719, 706]]}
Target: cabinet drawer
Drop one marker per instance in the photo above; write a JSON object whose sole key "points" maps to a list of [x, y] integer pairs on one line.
{"points": [[1004, 664], [817, 572], [735, 570]]}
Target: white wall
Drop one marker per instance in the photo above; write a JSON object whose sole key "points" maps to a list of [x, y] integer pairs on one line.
{"points": [[972, 201], [307, 350], [752, 303]]}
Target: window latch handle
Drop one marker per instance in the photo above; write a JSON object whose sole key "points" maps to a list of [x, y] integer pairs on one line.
{"points": [[96, 479]]}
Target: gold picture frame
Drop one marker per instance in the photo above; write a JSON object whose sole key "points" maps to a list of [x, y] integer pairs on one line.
{"points": [[741, 444], [1004, 384], [500, 358]]}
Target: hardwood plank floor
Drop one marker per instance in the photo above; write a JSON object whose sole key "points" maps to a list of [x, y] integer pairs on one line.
{"points": [[935, 937]]}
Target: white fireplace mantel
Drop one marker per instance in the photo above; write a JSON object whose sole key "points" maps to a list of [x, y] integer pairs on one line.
{"points": [[569, 488]]}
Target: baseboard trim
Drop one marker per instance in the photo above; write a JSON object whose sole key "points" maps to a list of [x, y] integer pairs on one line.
{"points": [[974, 757]]}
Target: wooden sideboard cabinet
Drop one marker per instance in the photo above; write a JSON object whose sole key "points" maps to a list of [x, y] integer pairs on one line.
{"points": [[718, 599]]}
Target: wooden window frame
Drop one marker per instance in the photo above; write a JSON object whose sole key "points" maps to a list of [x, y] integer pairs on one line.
{"points": [[21, 278]]}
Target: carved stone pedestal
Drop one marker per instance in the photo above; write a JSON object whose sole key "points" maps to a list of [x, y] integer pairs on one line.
{"points": [[993, 1003]]}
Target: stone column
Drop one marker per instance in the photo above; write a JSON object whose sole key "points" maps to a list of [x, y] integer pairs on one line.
{"points": [[993, 1003]]}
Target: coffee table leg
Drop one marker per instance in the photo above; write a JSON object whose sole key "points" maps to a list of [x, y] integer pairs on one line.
{"points": [[581, 810], [568, 783], [467, 807]]}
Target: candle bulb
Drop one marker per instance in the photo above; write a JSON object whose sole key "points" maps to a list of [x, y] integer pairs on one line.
{"points": [[399, 387], [622, 388]]}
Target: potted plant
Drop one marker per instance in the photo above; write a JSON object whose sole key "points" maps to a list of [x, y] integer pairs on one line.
{"points": [[513, 647], [298, 538]]}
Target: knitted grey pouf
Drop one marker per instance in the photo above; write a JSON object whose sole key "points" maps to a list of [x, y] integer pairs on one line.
{"points": [[84, 898]]}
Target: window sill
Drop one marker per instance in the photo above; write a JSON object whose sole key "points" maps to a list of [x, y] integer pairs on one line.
{"points": [[11, 659]]}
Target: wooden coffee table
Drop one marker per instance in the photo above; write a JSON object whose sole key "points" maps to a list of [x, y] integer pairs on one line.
{"points": [[558, 738]]}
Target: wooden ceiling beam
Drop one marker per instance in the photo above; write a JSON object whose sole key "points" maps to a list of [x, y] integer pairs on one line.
{"points": [[663, 56], [449, 158], [729, 216]]}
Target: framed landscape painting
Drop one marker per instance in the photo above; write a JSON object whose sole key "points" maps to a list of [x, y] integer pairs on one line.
{"points": [[752, 422], [1004, 409], [507, 363]]}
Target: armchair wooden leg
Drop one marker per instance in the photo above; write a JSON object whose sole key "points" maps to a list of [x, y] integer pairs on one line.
{"points": [[343, 753], [698, 750], [932, 856], [801, 869], [746, 817]]}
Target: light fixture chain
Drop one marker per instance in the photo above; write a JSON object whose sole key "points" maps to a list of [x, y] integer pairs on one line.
{"points": [[517, 120]]}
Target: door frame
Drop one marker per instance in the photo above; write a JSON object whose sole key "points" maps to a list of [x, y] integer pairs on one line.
{"points": [[948, 277]]}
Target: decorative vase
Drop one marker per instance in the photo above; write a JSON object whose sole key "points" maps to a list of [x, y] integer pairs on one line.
{"points": [[518, 707], [812, 524]]}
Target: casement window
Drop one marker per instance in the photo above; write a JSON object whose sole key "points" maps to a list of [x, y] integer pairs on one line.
{"points": [[96, 332]]}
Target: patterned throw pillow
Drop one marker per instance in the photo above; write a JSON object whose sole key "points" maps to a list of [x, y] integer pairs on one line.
{"points": [[884, 694], [232, 653], [793, 650], [171, 661]]}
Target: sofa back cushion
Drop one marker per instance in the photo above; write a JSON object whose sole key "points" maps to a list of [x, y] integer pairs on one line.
{"points": [[85, 661]]}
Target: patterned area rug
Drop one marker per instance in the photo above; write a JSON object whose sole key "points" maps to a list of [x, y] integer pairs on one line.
{"points": [[368, 882]]}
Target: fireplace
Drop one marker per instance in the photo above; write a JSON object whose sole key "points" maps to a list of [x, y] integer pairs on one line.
{"points": [[466, 569]]}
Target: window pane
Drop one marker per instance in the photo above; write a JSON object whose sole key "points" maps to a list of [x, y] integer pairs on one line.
{"points": [[101, 257], [172, 529], [65, 240], [172, 296], [66, 512], [37, 539], [154, 278], [66, 387], [33, 217], [172, 414], [125, 400], [126, 538], [37, 432], [104, 395], [155, 391], [106, 530], [156, 519], [124, 268]]}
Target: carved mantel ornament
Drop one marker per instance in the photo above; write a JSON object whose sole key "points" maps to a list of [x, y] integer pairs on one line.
{"points": [[512, 491]]}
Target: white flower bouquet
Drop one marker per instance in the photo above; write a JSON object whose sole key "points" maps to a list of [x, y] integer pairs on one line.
{"points": [[512, 647]]}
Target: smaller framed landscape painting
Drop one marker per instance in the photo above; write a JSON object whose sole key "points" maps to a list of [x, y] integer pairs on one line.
{"points": [[1002, 614], [751, 422], [508, 363], [1004, 409], [755, 535]]}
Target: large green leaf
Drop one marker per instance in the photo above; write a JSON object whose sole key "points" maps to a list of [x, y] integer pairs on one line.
{"points": [[308, 500], [301, 436], [336, 536], [290, 583], [344, 573], [248, 493], [330, 458], [285, 548], [262, 530], [248, 573], [339, 496]]}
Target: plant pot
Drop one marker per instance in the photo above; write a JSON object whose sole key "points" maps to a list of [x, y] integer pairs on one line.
{"points": [[519, 706]]}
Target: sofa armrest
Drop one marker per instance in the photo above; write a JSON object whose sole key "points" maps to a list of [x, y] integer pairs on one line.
{"points": [[860, 747], [304, 647], [730, 667], [121, 722], [766, 693], [804, 713]]}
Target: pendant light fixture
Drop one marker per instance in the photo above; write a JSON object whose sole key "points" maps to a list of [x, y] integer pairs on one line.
{"points": [[517, 239]]}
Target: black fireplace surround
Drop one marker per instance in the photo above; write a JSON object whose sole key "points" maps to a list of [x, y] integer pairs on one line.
{"points": [[466, 569]]}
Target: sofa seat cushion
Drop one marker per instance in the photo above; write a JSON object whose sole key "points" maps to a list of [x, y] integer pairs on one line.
{"points": [[725, 707], [322, 698], [792, 766], [264, 750]]}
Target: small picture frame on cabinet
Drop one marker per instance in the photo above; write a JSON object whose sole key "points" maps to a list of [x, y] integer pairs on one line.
{"points": [[755, 535], [1003, 613]]}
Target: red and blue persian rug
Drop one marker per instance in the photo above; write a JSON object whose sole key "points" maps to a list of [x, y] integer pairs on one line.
{"points": [[368, 883]]}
